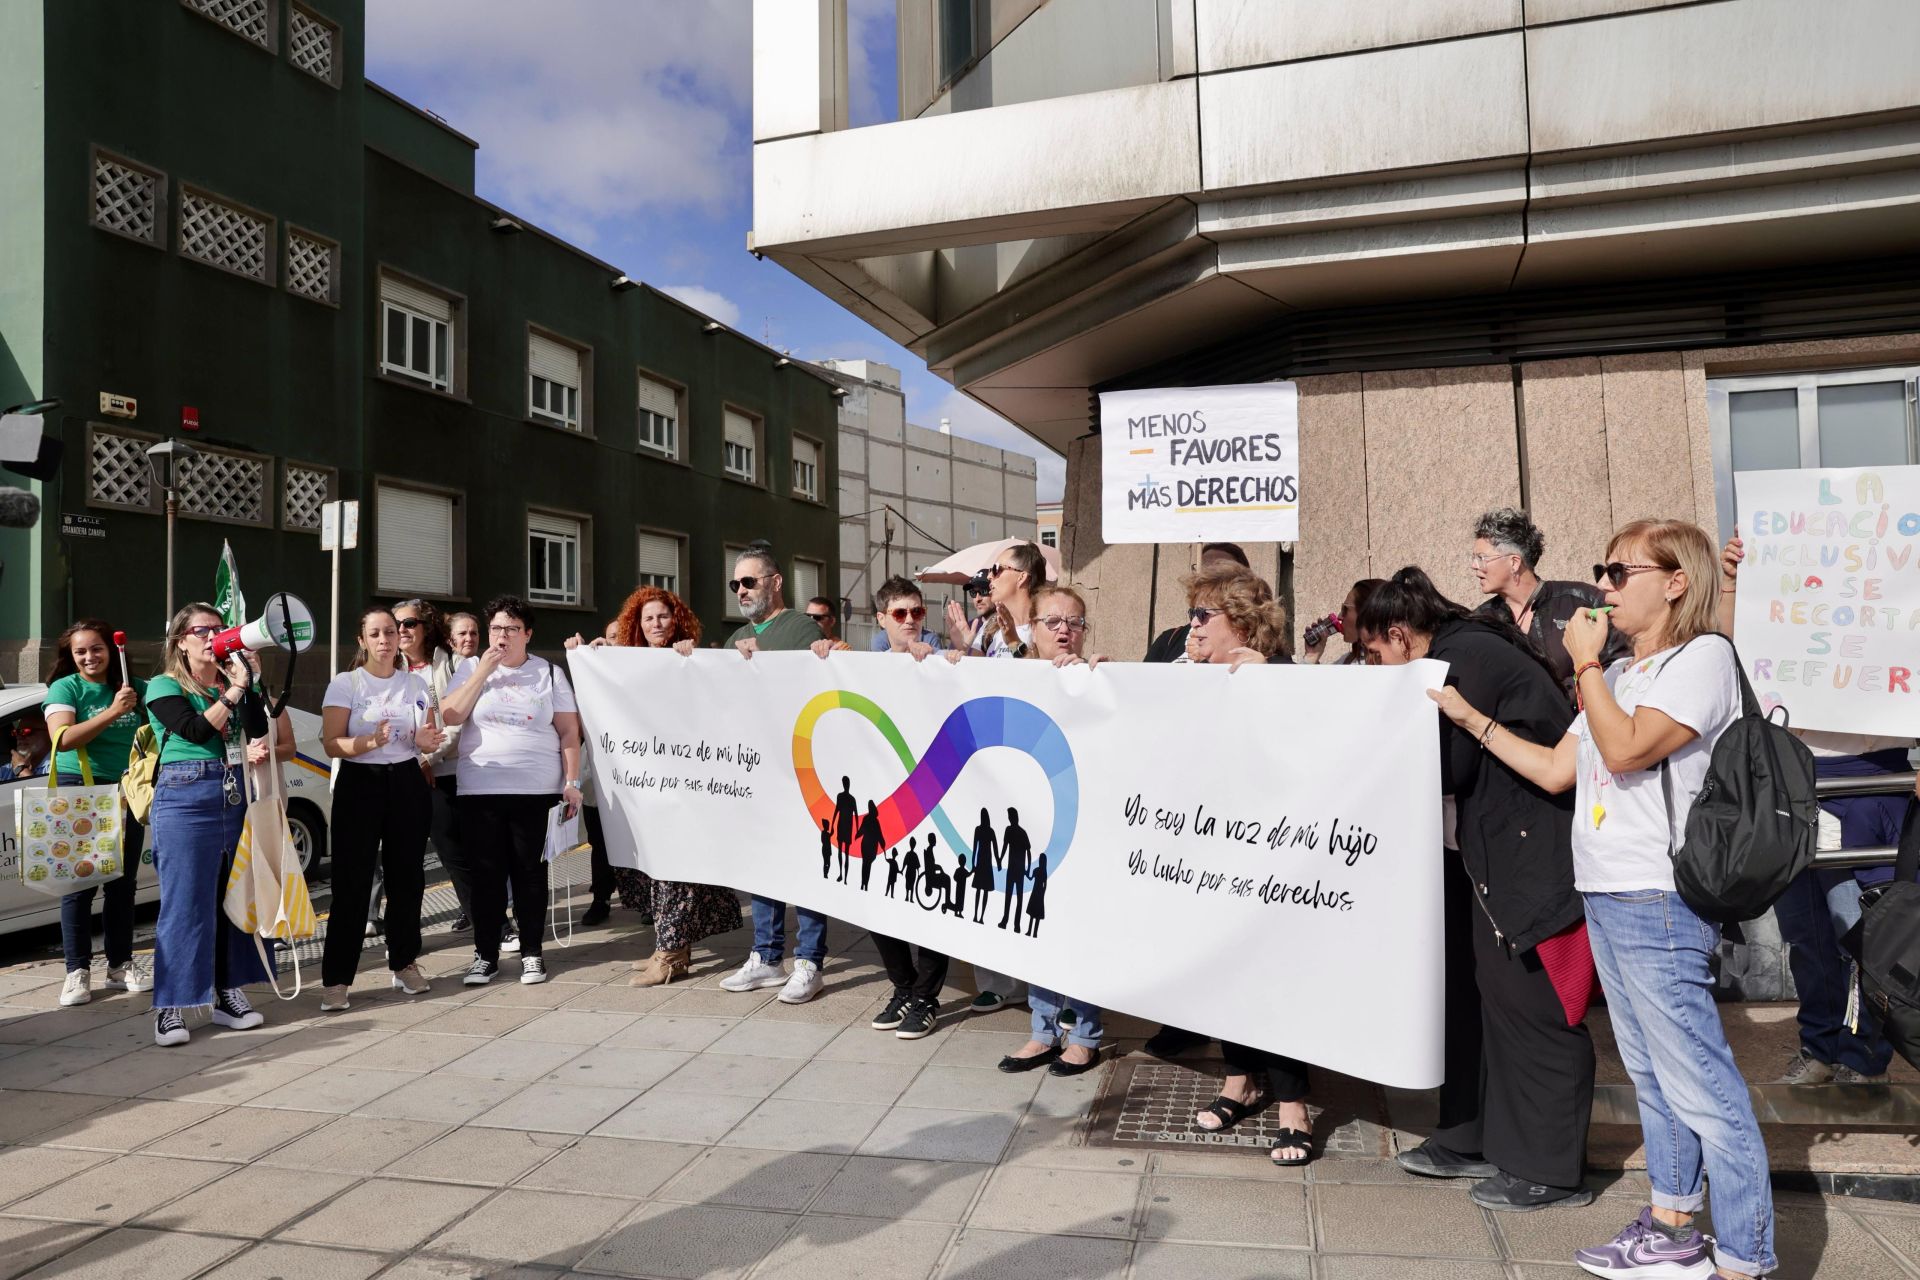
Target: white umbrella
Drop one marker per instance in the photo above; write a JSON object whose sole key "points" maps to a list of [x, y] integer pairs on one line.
{"points": [[962, 565]]}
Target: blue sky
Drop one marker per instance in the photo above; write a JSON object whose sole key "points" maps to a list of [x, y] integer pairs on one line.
{"points": [[625, 126]]}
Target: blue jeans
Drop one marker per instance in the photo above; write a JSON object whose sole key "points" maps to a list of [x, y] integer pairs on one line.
{"points": [[1046, 1006], [1823, 973], [195, 832], [770, 932], [1652, 952], [116, 910]]}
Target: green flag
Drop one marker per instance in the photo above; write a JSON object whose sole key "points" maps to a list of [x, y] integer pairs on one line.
{"points": [[226, 589]]}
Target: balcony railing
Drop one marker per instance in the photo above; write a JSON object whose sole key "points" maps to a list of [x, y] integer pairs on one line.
{"points": [[1872, 785]]}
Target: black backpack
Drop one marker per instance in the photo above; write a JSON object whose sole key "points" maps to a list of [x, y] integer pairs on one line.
{"points": [[1886, 946], [1751, 828]]}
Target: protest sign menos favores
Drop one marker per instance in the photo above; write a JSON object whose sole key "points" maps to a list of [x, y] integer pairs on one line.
{"points": [[1201, 464]]}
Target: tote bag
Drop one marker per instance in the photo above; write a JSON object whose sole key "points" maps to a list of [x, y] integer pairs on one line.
{"points": [[70, 837], [266, 892]]}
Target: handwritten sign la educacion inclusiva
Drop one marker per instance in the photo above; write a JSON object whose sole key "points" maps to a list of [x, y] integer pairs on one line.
{"points": [[1828, 615], [1201, 464]]}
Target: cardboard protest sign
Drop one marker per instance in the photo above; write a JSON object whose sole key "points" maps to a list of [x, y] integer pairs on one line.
{"points": [[1201, 464]]}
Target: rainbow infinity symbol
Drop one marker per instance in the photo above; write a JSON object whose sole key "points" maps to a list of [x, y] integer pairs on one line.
{"points": [[973, 726]]}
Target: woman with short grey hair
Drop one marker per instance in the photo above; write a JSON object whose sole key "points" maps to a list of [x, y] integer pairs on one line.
{"points": [[1507, 547]]}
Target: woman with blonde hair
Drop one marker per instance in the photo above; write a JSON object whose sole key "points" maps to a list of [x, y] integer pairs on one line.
{"points": [[1650, 721]]}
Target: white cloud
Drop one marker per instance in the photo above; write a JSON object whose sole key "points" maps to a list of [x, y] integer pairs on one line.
{"points": [[975, 421], [701, 298]]}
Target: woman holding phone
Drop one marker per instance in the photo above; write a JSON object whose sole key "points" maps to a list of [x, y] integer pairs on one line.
{"points": [[426, 647]]}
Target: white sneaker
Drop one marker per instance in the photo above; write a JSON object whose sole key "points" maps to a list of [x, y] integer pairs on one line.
{"points": [[532, 970], [333, 999], [753, 975], [129, 979], [803, 984], [509, 943], [411, 981], [78, 988], [230, 1009], [169, 1028], [480, 972]]}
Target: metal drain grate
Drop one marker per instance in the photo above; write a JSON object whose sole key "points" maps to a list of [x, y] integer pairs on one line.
{"points": [[1151, 1104]]}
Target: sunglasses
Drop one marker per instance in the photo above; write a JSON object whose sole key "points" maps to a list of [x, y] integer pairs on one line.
{"points": [[994, 571], [819, 617], [902, 615], [1054, 621], [742, 584], [1199, 617], [1617, 573], [411, 624]]}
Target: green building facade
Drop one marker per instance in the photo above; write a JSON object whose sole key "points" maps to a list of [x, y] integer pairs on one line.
{"points": [[206, 208]]}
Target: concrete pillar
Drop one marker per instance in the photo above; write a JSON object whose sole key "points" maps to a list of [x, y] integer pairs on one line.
{"points": [[1332, 553], [1649, 451], [799, 67], [1569, 494]]}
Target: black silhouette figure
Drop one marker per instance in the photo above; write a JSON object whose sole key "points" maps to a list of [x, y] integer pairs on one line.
{"points": [[893, 871], [870, 842], [1037, 905], [911, 868], [958, 905], [826, 847], [845, 819], [933, 894], [986, 856], [1015, 849]]}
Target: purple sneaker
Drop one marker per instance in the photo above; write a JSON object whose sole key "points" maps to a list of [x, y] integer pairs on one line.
{"points": [[1641, 1252]]}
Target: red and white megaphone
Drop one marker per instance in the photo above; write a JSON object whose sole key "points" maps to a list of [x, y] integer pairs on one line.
{"points": [[284, 623]]}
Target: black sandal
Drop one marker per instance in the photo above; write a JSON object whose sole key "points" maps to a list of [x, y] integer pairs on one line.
{"points": [[1292, 1138], [1229, 1113]]}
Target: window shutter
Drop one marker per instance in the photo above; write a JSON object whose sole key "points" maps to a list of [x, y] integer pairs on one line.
{"points": [[658, 397], [808, 452], [659, 556], [431, 305], [806, 581], [416, 542], [553, 526], [739, 429], [554, 361]]}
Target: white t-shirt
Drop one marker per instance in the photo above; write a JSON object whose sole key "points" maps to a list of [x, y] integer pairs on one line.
{"points": [[508, 746], [1000, 646], [1829, 746], [1620, 827], [401, 699]]}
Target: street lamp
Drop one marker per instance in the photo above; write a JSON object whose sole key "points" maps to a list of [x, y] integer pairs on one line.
{"points": [[166, 460]]}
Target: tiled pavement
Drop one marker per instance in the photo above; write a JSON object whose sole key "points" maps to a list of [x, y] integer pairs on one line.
{"points": [[586, 1126]]}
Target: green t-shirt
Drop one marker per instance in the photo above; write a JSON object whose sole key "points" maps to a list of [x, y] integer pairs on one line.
{"points": [[177, 748], [108, 751], [788, 629]]}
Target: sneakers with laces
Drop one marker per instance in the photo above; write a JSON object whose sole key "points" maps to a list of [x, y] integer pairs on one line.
{"points": [[1843, 1074], [509, 943], [1805, 1069], [411, 981], [755, 974], [231, 1010], [333, 999], [480, 972], [533, 970], [78, 988], [803, 984], [1509, 1194], [126, 978], [169, 1028], [1644, 1251], [896, 1008], [917, 1022]]}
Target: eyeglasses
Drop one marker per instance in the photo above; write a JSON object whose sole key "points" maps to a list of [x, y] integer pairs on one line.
{"points": [[505, 631], [914, 614], [411, 624], [994, 571], [1477, 560], [202, 631], [742, 584], [1054, 621], [24, 731], [1199, 617], [1617, 573], [819, 617]]}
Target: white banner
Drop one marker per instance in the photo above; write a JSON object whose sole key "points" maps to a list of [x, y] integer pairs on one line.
{"points": [[1828, 615], [1201, 464], [1252, 855]]}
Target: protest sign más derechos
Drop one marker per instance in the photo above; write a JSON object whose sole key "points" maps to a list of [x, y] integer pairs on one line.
{"points": [[1828, 615], [1201, 464], [1248, 855]]}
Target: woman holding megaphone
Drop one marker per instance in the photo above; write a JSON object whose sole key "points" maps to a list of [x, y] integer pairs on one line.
{"points": [[211, 719]]}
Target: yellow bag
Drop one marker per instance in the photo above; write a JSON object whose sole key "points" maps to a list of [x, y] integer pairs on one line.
{"points": [[143, 764], [266, 892]]}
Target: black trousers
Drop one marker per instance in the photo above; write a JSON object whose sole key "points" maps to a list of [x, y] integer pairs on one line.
{"points": [[1533, 1087], [1286, 1077], [381, 815], [922, 980], [602, 870], [446, 841], [506, 840], [1459, 1127]]}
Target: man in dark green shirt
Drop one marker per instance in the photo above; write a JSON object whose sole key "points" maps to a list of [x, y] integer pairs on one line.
{"points": [[757, 584]]}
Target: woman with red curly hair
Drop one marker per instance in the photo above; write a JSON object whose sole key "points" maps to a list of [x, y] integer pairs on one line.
{"points": [[683, 914]]}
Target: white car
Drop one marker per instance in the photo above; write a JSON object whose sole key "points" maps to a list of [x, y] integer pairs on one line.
{"points": [[309, 807]]}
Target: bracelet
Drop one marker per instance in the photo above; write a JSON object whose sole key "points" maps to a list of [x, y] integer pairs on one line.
{"points": [[1583, 668], [1487, 734]]}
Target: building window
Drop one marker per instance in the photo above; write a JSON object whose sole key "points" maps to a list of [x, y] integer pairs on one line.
{"points": [[117, 471], [224, 485], [127, 198], [313, 266], [554, 379], [961, 38], [1049, 537], [806, 468], [225, 236], [806, 581], [251, 20], [1850, 418], [660, 560], [303, 491], [659, 417], [553, 558], [415, 532], [416, 341], [742, 457], [313, 45]]}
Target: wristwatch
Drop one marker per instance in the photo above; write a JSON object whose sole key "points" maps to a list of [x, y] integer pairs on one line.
{"points": [[571, 782]]}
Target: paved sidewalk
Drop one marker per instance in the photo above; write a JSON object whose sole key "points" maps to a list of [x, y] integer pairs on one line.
{"points": [[587, 1126]]}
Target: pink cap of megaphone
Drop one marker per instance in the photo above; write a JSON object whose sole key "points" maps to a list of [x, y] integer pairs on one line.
{"points": [[284, 623]]}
